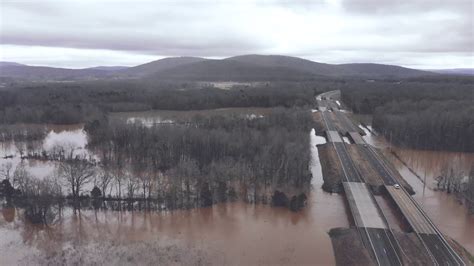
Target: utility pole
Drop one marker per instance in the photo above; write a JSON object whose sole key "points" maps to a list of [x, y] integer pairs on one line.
{"points": [[424, 183], [390, 142]]}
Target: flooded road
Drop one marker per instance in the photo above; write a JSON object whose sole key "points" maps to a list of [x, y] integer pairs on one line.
{"points": [[228, 233]]}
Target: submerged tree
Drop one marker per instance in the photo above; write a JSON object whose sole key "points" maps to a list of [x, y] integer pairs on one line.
{"points": [[76, 172]]}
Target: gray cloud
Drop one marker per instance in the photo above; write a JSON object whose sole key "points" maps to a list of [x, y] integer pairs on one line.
{"points": [[404, 6], [348, 30]]}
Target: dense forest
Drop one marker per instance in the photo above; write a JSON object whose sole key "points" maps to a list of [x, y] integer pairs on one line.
{"points": [[417, 114], [212, 160], [68, 103]]}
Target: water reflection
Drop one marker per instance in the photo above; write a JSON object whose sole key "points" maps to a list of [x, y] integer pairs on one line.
{"points": [[74, 138]]}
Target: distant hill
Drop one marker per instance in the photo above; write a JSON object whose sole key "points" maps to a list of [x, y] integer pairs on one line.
{"points": [[230, 70], [347, 70], [455, 71], [286, 61], [108, 68], [3, 63], [238, 68], [49, 73], [159, 65], [379, 70]]}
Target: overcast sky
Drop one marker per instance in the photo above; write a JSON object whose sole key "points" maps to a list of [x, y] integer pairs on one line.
{"points": [[84, 33]]}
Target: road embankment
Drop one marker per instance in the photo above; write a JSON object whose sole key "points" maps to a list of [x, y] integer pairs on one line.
{"points": [[331, 168], [348, 247]]}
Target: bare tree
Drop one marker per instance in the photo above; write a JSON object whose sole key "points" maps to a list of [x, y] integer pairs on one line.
{"points": [[22, 180], [76, 172], [104, 180], [6, 169]]}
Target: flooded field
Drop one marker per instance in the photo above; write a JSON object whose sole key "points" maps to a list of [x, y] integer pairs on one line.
{"points": [[165, 116], [58, 137], [227, 85], [228, 233]]}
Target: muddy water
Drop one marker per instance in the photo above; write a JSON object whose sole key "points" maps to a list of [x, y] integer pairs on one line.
{"points": [[232, 233], [451, 217], [59, 137]]}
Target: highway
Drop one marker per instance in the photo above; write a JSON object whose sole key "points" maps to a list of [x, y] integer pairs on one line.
{"points": [[369, 220], [433, 241]]}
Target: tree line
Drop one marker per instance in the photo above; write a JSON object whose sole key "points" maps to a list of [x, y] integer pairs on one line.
{"points": [[78, 102], [211, 159], [421, 115]]}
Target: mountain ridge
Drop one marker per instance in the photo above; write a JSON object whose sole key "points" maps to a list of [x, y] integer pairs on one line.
{"points": [[243, 67]]}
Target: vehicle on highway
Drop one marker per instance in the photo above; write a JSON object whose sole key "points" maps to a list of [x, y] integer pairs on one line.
{"points": [[397, 186]]}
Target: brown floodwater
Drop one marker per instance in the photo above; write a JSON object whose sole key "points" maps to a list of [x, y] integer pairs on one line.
{"points": [[229, 233], [446, 211], [232, 233]]}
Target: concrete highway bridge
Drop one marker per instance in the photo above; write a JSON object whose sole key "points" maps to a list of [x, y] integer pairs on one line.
{"points": [[372, 225]]}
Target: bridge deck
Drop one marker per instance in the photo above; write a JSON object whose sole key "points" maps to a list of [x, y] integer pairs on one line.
{"points": [[416, 220], [363, 206], [333, 136], [356, 137]]}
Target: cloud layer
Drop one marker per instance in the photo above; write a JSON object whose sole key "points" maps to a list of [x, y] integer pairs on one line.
{"points": [[416, 33]]}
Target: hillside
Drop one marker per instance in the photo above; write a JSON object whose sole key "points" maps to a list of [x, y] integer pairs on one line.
{"points": [[455, 71], [238, 68], [342, 70], [286, 61], [226, 70], [3, 63], [379, 70], [50, 73], [159, 65], [108, 68]]}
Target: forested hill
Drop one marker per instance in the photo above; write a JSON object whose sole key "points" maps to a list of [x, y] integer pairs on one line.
{"points": [[246, 67], [159, 65], [19, 71], [342, 70], [225, 70]]}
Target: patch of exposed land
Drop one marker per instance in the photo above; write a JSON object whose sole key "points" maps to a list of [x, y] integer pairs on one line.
{"points": [[331, 168], [397, 174], [367, 171], [319, 127], [348, 247], [339, 126]]}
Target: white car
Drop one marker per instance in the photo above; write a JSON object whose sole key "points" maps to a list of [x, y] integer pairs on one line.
{"points": [[397, 186]]}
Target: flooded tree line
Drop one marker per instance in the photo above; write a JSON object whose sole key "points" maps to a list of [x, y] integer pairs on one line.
{"points": [[422, 115], [459, 183], [212, 159], [15, 132]]}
